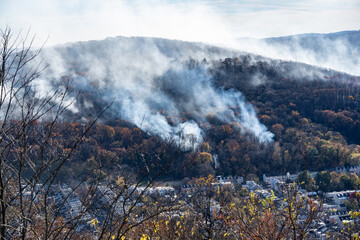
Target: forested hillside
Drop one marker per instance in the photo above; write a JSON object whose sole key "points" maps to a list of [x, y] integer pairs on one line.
{"points": [[312, 112]]}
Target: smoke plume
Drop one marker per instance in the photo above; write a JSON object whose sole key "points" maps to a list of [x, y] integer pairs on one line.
{"points": [[161, 86], [339, 51]]}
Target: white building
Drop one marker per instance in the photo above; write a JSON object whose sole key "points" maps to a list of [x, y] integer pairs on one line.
{"points": [[339, 197], [252, 186], [282, 178], [231, 179]]}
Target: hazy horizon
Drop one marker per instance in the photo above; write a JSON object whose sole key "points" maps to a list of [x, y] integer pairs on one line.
{"points": [[209, 21]]}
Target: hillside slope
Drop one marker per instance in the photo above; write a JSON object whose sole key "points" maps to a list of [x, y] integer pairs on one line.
{"points": [[241, 114]]}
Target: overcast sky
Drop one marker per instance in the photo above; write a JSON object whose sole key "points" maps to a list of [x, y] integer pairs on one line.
{"points": [[212, 21]]}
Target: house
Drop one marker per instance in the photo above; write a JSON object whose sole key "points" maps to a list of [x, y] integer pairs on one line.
{"points": [[251, 186], [338, 217], [338, 197], [231, 179], [282, 178]]}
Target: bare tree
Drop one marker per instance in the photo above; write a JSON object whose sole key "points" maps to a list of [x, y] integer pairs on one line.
{"points": [[131, 200], [31, 154], [33, 202]]}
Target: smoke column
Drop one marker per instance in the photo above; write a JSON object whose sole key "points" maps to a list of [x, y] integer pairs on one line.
{"points": [[151, 81]]}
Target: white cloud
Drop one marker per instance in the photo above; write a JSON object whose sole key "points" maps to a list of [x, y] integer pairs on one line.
{"points": [[285, 22], [207, 21]]}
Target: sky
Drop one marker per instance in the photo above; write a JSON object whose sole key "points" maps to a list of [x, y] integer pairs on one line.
{"points": [[210, 21]]}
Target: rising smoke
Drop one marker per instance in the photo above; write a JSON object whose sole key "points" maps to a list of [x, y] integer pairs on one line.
{"points": [[339, 51], [154, 85]]}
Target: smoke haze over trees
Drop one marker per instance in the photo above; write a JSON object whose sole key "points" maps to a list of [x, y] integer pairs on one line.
{"points": [[257, 115], [339, 51], [153, 82]]}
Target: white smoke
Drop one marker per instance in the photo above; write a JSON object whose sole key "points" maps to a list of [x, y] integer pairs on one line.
{"points": [[247, 119], [338, 51], [152, 86], [195, 92]]}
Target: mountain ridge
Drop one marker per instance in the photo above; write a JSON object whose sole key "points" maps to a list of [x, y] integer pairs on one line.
{"points": [[339, 51], [256, 115]]}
